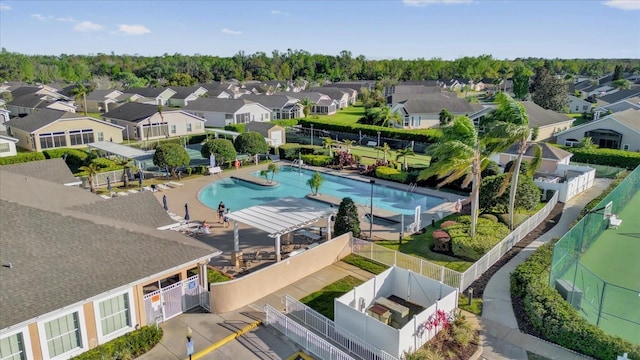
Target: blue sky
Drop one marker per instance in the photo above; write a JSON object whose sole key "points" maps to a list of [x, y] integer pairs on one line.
{"points": [[377, 29]]}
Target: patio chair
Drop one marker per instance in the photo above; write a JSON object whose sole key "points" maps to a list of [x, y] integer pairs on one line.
{"points": [[614, 222]]}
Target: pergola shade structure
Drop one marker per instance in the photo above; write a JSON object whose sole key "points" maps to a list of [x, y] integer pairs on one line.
{"points": [[280, 217]]}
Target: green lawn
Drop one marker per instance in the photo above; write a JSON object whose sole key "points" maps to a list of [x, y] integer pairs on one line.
{"points": [[579, 120], [322, 300], [368, 156], [348, 115], [365, 264], [94, 115]]}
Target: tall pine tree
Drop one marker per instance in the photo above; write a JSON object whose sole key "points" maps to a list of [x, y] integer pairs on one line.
{"points": [[548, 91]]}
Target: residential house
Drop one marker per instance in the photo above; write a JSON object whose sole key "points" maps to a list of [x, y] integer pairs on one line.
{"points": [[185, 94], [282, 106], [82, 293], [100, 100], [579, 105], [618, 96], [622, 105], [275, 133], [27, 99], [50, 129], [351, 92], [342, 96], [221, 112], [224, 90], [157, 96], [552, 156], [424, 111], [548, 122], [8, 146], [145, 122], [620, 130], [322, 104], [357, 85], [405, 92], [4, 117]]}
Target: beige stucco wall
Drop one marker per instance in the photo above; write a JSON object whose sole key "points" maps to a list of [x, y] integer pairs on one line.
{"points": [[109, 131], [547, 132], [35, 341], [24, 139], [90, 325], [234, 294]]}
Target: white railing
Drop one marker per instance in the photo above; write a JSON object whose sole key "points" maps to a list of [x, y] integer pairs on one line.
{"points": [[307, 339], [450, 277], [327, 328]]}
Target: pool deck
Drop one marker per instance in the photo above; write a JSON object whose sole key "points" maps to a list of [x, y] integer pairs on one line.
{"points": [[253, 240]]}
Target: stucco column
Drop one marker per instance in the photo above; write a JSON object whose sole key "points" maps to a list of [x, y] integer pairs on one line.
{"points": [[329, 227], [278, 257], [236, 237], [203, 275]]}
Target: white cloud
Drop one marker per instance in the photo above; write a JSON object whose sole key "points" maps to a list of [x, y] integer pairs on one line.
{"points": [[39, 17], [278, 12], [133, 29], [231, 32], [67, 19], [4, 7], [623, 4], [431, 2], [87, 26]]}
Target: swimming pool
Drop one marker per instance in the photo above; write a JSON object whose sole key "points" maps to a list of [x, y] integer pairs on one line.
{"points": [[239, 194]]}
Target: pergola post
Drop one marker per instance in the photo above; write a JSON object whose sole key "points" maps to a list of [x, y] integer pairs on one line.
{"points": [[236, 256], [278, 256], [329, 227]]}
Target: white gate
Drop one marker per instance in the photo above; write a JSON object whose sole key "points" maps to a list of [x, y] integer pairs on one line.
{"points": [[192, 291], [173, 300]]}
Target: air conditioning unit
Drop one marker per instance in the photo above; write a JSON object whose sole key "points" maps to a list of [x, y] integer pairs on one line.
{"points": [[379, 313], [569, 292]]}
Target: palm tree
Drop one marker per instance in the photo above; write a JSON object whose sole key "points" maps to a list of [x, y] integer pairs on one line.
{"points": [[386, 115], [265, 174], [91, 170], [386, 150], [80, 93], [125, 163], [510, 124], [459, 153], [314, 182], [328, 143], [348, 143], [403, 153], [307, 104], [273, 169]]}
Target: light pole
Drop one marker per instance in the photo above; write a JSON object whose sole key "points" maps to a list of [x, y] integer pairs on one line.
{"points": [[373, 182], [378, 147], [378, 138], [311, 134]]}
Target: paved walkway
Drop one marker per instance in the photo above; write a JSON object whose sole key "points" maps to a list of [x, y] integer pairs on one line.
{"points": [[502, 339]]}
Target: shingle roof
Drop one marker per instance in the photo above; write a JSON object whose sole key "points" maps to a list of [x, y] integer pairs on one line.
{"points": [[40, 118], [629, 117], [583, 84], [24, 90], [270, 101], [132, 111], [183, 92], [620, 95], [539, 116], [31, 101], [333, 92], [146, 92], [53, 170], [261, 127], [99, 95], [67, 245], [620, 106], [312, 95], [548, 151], [433, 103], [228, 106], [416, 89]]}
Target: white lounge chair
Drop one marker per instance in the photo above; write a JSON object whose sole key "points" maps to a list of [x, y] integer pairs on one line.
{"points": [[122, 193], [174, 184], [163, 187], [106, 197], [614, 222], [298, 162], [214, 170]]}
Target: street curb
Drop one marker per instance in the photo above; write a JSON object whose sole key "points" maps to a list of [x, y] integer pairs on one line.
{"points": [[227, 339]]}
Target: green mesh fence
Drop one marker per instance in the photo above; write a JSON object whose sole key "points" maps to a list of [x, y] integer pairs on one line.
{"points": [[609, 304]]}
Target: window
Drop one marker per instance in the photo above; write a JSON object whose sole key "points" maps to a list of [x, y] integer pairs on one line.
{"points": [[12, 348], [4, 147], [80, 137], [52, 140], [228, 116], [63, 334], [188, 127], [243, 118], [100, 136], [173, 129], [154, 130], [115, 314], [625, 147]]}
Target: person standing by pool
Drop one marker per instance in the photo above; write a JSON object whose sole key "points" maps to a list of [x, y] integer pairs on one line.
{"points": [[220, 212], [226, 219]]}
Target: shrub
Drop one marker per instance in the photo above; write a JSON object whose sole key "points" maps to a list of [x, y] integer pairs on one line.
{"points": [[172, 156], [610, 157], [73, 157], [251, 142], [317, 160], [440, 234], [222, 149], [290, 151], [527, 194], [235, 127], [197, 139], [419, 135], [490, 217], [488, 234], [554, 317], [285, 122], [392, 174], [447, 223], [517, 219], [133, 344], [347, 219], [22, 158]]}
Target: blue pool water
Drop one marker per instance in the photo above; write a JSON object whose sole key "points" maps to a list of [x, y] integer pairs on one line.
{"points": [[238, 194]]}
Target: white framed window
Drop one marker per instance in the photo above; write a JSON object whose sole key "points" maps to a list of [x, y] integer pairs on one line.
{"points": [[52, 140], [625, 147], [173, 129], [16, 345], [188, 127], [80, 137], [114, 316], [63, 336], [4, 147], [100, 136]]}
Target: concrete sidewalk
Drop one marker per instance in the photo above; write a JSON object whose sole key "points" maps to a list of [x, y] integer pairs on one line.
{"points": [[502, 339]]}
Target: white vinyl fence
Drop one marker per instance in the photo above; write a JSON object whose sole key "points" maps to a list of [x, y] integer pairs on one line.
{"points": [[447, 276], [311, 342]]}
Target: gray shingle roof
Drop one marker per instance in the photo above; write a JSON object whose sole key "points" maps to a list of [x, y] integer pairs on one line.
{"points": [[333, 92], [30, 101], [620, 95], [24, 90], [53, 170], [629, 117], [146, 92], [261, 127], [132, 111], [270, 101], [40, 118], [433, 103], [548, 151], [183, 92], [539, 116], [228, 106], [313, 96], [99, 95], [416, 89]]}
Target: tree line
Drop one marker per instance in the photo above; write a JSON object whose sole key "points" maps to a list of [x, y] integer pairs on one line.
{"points": [[178, 69]]}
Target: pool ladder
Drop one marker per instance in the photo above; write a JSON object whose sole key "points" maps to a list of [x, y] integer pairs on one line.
{"points": [[412, 187]]}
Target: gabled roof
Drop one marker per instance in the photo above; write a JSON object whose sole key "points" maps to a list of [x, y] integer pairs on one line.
{"points": [[183, 92], [132, 111], [100, 95], [271, 101], [228, 106], [332, 92], [433, 103], [315, 97], [620, 106], [261, 127], [9, 138], [620, 95], [43, 117], [419, 82], [52, 170], [583, 84], [24, 90], [539, 116], [148, 92], [548, 151], [629, 117], [32, 101], [416, 89]]}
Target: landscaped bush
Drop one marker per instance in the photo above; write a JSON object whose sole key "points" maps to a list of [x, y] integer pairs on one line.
{"points": [[22, 158], [290, 151], [235, 127], [555, 318], [317, 160], [197, 139], [488, 234], [285, 122], [610, 157], [128, 346], [74, 157], [388, 173], [517, 219], [420, 135], [527, 194], [447, 223], [489, 217], [440, 234]]}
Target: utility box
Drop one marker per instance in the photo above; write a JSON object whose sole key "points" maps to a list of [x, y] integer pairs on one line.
{"points": [[379, 313], [569, 292]]}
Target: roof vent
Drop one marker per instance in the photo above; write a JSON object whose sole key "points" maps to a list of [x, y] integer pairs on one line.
{"points": [[9, 265]]}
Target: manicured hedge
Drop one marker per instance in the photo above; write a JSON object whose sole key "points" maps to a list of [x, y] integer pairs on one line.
{"points": [[128, 346], [22, 158], [488, 234], [609, 157], [420, 135], [392, 174], [235, 127], [555, 318], [74, 157], [317, 160], [285, 123], [290, 151]]}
